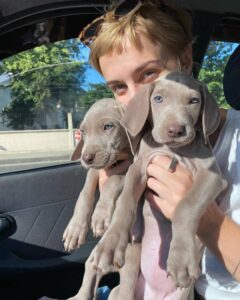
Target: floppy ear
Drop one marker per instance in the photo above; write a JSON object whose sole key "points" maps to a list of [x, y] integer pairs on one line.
{"points": [[78, 150], [134, 142], [137, 110], [210, 114]]}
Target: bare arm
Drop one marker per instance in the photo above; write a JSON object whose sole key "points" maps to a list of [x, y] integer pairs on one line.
{"points": [[222, 236]]}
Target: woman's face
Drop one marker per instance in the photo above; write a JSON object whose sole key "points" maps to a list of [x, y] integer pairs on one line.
{"points": [[127, 71]]}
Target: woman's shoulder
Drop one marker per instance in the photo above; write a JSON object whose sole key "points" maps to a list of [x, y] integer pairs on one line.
{"points": [[232, 114], [229, 131], [229, 118]]}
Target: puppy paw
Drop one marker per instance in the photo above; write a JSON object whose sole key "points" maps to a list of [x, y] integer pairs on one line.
{"points": [[110, 251], [183, 262], [75, 233], [101, 218]]}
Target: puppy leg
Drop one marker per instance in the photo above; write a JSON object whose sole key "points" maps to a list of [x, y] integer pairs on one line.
{"points": [[90, 282], [105, 206], [77, 228], [128, 274]]}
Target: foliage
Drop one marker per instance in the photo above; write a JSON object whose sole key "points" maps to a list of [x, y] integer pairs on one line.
{"points": [[95, 92], [43, 78], [213, 68]]}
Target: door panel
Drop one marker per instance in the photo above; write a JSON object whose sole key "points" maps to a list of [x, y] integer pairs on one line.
{"points": [[42, 202]]}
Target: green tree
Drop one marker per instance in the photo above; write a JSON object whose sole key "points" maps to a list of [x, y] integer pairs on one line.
{"points": [[96, 92], [213, 68], [43, 78]]}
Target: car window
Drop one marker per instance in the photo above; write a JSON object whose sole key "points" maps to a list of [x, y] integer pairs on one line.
{"points": [[44, 94], [213, 67]]}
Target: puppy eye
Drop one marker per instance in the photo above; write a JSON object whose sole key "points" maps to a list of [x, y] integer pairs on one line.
{"points": [[158, 99], [108, 126], [194, 100]]}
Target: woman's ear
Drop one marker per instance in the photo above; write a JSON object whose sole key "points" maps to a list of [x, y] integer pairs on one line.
{"points": [[186, 59]]}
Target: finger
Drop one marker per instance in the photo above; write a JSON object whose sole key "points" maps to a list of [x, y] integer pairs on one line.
{"points": [[160, 173], [158, 187], [165, 162], [162, 161], [175, 181], [154, 200]]}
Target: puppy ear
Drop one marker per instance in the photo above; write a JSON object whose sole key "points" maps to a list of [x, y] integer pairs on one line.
{"points": [[134, 142], [137, 110], [78, 150], [210, 114]]}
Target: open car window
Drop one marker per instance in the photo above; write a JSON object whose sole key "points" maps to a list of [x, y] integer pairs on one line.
{"points": [[46, 91], [44, 94]]}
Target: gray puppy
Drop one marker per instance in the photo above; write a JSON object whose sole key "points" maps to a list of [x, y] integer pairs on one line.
{"points": [[103, 144], [182, 114]]}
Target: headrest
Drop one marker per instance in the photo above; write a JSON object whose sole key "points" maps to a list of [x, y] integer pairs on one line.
{"points": [[231, 80]]}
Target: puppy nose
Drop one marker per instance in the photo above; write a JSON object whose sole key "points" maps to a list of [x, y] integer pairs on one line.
{"points": [[175, 130], [88, 158]]}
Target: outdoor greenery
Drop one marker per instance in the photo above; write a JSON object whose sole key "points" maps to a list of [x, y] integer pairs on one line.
{"points": [[96, 92], [213, 67], [42, 80], [50, 78]]}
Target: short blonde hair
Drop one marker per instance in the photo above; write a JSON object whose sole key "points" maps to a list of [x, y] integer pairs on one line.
{"points": [[170, 27]]}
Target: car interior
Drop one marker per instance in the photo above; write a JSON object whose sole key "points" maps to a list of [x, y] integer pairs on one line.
{"points": [[37, 202]]}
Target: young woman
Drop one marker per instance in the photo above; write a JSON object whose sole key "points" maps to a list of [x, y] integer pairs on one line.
{"points": [[131, 45]]}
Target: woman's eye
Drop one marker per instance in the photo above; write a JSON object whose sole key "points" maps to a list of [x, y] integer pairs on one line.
{"points": [[194, 100], [158, 99], [149, 76], [119, 89], [108, 126]]}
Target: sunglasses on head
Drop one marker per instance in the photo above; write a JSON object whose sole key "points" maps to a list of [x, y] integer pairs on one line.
{"points": [[90, 32]]}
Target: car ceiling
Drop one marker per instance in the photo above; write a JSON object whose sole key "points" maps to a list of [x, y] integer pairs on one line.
{"points": [[215, 19]]}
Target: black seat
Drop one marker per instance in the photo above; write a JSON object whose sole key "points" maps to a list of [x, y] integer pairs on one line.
{"points": [[231, 80]]}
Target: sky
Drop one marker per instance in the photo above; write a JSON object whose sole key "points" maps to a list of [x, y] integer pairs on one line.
{"points": [[92, 76]]}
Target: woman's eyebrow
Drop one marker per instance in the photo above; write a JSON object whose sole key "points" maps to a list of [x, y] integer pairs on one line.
{"points": [[146, 64], [112, 82]]}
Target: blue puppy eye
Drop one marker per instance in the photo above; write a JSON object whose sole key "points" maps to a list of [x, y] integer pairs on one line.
{"points": [[158, 99], [108, 126]]}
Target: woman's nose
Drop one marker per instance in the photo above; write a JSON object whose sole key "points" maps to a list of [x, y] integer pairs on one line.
{"points": [[132, 91]]}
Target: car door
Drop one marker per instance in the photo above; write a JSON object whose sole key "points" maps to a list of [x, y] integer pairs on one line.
{"points": [[39, 185]]}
